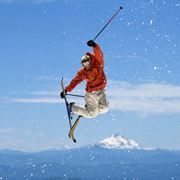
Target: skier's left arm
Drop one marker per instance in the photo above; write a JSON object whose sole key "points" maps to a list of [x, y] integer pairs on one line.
{"points": [[97, 52]]}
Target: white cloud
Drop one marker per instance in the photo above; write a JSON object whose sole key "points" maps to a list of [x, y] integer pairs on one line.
{"points": [[146, 90], [146, 98], [7, 130], [146, 105], [44, 93], [123, 96], [46, 100]]}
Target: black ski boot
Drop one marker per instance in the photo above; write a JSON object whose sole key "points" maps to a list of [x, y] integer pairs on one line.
{"points": [[70, 108]]}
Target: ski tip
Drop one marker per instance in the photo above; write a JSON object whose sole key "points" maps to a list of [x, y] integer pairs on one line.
{"points": [[72, 137], [121, 7]]}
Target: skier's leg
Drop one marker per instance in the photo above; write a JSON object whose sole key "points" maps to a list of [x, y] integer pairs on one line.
{"points": [[91, 109], [103, 103]]}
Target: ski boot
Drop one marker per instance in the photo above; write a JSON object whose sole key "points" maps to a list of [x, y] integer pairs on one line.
{"points": [[69, 107]]}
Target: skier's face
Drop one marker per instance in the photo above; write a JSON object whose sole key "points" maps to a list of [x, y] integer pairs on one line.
{"points": [[87, 65]]}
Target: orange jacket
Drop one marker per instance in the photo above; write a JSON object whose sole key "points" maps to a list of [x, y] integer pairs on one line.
{"points": [[96, 79]]}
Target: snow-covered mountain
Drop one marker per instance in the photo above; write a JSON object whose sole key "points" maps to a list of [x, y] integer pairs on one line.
{"points": [[93, 162], [117, 141]]}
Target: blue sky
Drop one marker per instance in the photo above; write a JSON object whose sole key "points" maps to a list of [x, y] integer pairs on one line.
{"points": [[44, 40]]}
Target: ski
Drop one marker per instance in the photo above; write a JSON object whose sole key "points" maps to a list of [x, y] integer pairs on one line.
{"points": [[71, 131], [70, 117]]}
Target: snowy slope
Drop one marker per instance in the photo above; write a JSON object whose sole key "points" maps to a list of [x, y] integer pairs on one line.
{"points": [[117, 141]]}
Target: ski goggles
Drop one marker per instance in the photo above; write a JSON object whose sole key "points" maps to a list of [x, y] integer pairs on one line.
{"points": [[85, 63]]}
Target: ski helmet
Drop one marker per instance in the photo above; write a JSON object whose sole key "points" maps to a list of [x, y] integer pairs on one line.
{"points": [[85, 58]]}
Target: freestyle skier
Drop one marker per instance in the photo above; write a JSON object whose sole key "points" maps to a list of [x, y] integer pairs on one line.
{"points": [[92, 72]]}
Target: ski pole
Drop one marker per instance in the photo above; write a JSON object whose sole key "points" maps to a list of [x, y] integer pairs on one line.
{"points": [[120, 8], [75, 95]]}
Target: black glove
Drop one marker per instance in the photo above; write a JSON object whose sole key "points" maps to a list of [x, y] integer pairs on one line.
{"points": [[91, 43], [62, 94]]}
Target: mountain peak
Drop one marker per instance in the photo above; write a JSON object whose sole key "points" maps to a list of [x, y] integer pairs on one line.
{"points": [[117, 141]]}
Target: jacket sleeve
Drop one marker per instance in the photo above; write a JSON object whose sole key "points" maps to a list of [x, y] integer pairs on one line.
{"points": [[75, 81], [98, 54]]}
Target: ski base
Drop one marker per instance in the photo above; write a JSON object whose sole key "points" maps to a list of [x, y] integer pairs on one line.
{"points": [[72, 137], [71, 131]]}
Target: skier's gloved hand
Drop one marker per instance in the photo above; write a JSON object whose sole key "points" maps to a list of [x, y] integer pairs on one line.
{"points": [[91, 43], [62, 94]]}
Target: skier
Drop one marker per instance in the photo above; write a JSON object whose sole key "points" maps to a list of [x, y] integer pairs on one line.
{"points": [[93, 72]]}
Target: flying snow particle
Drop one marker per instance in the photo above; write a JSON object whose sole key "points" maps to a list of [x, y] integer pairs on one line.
{"points": [[43, 171], [151, 22], [156, 68], [155, 133], [128, 24], [169, 71]]}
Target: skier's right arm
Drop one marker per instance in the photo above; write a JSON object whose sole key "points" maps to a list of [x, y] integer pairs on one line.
{"points": [[75, 81]]}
